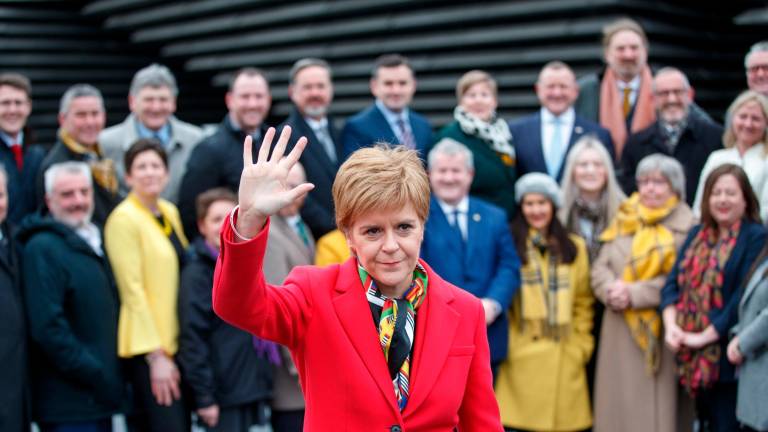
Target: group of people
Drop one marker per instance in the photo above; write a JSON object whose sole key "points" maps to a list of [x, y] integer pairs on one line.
{"points": [[609, 252]]}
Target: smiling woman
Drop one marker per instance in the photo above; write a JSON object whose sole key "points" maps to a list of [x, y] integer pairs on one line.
{"points": [[380, 342]]}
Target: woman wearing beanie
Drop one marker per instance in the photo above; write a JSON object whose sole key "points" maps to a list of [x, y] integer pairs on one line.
{"points": [[542, 385], [635, 384]]}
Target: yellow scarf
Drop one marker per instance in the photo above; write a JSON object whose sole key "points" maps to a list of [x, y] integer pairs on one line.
{"points": [[652, 254], [546, 294], [103, 170]]}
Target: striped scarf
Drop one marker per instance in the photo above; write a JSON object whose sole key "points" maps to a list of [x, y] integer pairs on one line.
{"points": [[396, 322]]}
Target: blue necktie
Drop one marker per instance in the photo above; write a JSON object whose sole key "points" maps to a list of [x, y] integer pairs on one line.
{"points": [[555, 156], [457, 230]]}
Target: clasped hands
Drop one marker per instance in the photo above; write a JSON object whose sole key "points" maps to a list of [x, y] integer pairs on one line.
{"points": [[676, 338], [263, 187]]}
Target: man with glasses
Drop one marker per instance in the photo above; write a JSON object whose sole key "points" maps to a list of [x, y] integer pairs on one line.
{"points": [[678, 131], [756, 64]]}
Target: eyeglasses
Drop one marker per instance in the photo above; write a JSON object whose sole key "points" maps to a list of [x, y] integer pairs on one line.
{"points": [[656, 181], [679, 92], [16, 103]]}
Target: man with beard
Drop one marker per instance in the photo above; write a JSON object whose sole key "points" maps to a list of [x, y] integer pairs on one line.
{"points": [[81, 120], [218, 160], [679, 132], [756, 64], [543, 140], [311, 91], [72, 308], [619, 97]]}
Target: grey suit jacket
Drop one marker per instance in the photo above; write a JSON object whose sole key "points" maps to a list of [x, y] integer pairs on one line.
{"points": [[286, 250], [753, 344], [117, 139]]}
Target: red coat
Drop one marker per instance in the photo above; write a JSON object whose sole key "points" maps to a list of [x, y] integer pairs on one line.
{"points": [[323, 316]]}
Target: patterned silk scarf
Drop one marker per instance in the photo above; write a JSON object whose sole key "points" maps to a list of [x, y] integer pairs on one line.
{"points": [[546, 295], [700, 281], [102, 169], [495, 132], [652, 254], [396, 322]]}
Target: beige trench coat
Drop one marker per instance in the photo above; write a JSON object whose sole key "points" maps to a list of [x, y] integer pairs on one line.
{"points": [[626, 398]]}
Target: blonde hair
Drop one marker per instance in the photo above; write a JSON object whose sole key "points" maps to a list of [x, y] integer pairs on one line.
{"points": [[474, 77], [729, 138], [613, 193], [382, 177]]}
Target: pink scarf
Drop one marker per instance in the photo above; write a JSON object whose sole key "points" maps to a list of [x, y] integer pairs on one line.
{"points": [[612, 114]]}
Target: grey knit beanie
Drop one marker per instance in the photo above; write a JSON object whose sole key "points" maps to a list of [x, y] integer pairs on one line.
{"points": [[539, 183]]}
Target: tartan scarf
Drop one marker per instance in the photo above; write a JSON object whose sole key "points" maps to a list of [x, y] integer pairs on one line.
{"points": [[700, 281], [396, 321], [652, 254], [546, 294], [102, 169]]}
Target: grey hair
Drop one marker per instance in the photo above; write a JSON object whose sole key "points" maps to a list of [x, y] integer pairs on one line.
{"points": [[669, 167], [570, 191], [761, 46], [670, 69], [70, 167], [76, 91], [450, 147], [306, 62], [154, 75]]}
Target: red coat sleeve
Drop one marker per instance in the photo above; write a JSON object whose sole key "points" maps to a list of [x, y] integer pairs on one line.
{"points": [[242, 298]]}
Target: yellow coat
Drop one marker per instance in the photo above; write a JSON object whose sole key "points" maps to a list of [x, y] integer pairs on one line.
{"points": [[542, 385], [146, 269], [331, 249]]}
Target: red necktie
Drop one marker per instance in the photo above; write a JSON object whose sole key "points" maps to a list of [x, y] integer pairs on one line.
{"points": [[16, 149]]}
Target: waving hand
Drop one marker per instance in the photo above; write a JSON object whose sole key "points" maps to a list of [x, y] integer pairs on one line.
{"points": [[263, 187]]}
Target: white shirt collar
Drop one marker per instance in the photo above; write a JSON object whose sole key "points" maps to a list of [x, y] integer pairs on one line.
{"points": [[634, 84], [566, 118], [317, 124], [462, 206]]}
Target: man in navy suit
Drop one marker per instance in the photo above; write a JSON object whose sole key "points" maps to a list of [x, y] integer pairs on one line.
{"points": [[311, 91], [389, 119], [542, 140], [468, 243]]}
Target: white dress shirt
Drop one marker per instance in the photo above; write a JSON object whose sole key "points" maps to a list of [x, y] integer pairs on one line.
{"points": [[463, 208], [552, 154], [634, 85]]}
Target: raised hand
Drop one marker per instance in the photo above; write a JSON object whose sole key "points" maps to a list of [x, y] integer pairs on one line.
{"points": [[263, 187]]}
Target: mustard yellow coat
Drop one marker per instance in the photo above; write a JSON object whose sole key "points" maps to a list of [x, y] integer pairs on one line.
{"points": [[146, 269], [542, 386], [331, 249]]}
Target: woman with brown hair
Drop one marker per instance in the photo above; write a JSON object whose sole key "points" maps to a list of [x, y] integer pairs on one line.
{"points": [[701, 296]]}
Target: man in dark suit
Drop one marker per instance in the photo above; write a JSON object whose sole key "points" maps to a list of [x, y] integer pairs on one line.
{"points": [[542, 140], [679, 132], [311, 91], [467, 241], [389, 119], [18, 156]]}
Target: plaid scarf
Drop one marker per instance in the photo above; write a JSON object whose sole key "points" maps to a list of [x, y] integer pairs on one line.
{"points": [[700, 281], [546, 294], [396, 321], [652, 254]]}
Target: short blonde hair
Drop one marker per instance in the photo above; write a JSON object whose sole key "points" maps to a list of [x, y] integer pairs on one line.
{"points": [[473, 77], [380, 178], [729, 137]]}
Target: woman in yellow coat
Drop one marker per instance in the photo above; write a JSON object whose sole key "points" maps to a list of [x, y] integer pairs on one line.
{"points": [[145, 244], [542, 385]]}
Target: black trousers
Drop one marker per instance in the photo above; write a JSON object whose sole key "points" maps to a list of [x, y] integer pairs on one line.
{"points": [[147, 415], [287, 421], [716, 408]]}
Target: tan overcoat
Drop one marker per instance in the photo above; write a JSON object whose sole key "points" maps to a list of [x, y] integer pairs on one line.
{"points": [[626, 398]]}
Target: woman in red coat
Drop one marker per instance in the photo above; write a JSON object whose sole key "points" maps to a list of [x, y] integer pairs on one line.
{"points": [[381, 342]]}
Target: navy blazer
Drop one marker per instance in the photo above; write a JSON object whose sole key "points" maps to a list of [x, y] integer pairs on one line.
{"points": [[526, 137], [490, 267], [369, 127], [317, 210], [749, 243]]}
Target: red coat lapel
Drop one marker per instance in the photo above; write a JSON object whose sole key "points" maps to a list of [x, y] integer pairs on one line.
{"points": [[352, 309]]}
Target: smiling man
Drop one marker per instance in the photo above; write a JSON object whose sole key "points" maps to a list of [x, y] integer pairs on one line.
{"points": [[152, 100], [467, 241], [542, 140], [679, 132], [389, 119], [81, 120], [217, 161], [756, 65]]}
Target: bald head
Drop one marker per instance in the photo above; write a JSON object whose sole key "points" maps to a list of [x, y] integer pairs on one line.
{"points": [[672, 95]]}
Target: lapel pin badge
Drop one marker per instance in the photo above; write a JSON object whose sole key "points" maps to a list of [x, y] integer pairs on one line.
{"points": [[476, 217], [578, 130]]}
